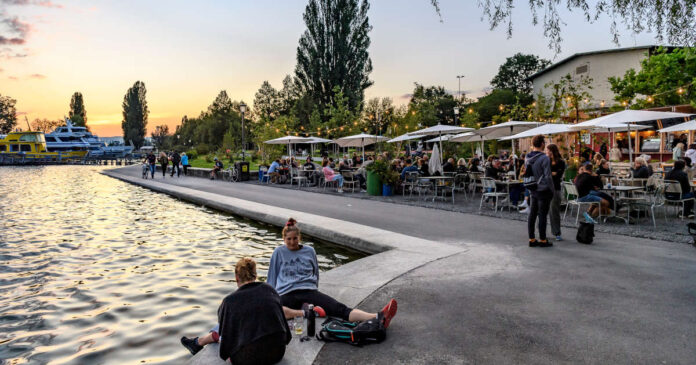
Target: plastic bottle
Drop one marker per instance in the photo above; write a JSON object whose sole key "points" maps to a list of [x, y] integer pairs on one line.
{"points": [[310, 320]]}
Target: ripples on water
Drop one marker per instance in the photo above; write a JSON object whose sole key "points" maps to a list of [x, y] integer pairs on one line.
{"points": [[97, 271]]}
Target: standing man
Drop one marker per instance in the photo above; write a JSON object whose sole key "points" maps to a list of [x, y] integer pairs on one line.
{"points": [[176, 159], [538, 166], [152, 161]]}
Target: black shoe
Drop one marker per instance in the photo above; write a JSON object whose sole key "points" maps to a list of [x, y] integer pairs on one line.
{"points": [[545, 243], [533, 243], [191, 344]]}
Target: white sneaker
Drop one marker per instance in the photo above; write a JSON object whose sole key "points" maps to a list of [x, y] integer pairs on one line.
{"points": [[340, 190], [523, 205], [525, 211]]}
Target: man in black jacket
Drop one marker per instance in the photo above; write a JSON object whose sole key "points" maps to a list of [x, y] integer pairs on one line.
{"points": [[252, 328], [540, 167], [176, 159], [678, 174]]}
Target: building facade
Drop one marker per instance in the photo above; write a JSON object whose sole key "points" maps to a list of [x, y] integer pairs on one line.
{"points": [[598, 65]]}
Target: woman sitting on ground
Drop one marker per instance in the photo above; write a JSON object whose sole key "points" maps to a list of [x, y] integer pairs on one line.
{"points": [[294, 273], [330, 175], [252, 326], [588, 185]]}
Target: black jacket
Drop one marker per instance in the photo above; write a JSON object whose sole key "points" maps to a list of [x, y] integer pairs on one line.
{"points": [[253, 311], [681, 177]]}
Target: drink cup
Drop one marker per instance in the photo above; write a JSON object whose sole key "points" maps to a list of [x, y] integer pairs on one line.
{"points": [[299, 325]]}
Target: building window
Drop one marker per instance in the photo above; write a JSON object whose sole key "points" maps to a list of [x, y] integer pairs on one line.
{"points": [[581, 69]]}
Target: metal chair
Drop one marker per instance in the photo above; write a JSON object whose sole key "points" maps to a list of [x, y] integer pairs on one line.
{"points": [[410, 182], [651, 202], [325, 182], [673, 187], [490, 191], [458, 184], [572, 190], [296, 176], [349, 180]]}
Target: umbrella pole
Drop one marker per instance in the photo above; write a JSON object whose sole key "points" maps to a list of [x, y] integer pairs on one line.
{"points": [[514, 164], [630, 149], [440, 147]]}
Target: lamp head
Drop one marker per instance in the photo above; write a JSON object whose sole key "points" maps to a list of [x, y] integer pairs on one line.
{"points": [[242, 107]]}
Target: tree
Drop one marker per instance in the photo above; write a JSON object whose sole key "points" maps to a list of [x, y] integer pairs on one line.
{"points": [[135, 113], [8, 114], [342, 119], [161, 137], [78, 114], [432, 105], [45, 125], [570, 94], [674, 20], [333, 52], [267, 102], [514, 72], [665, 78], [378, 114]]}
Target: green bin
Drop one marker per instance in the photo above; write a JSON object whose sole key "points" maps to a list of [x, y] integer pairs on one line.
{"points": [[374, 185]]}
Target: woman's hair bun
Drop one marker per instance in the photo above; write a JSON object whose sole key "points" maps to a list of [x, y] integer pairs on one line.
{"points": [[291, 222]]}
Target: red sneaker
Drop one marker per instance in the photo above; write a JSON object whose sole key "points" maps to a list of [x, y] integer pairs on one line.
{"points": [[388, 312], [318, 311]]}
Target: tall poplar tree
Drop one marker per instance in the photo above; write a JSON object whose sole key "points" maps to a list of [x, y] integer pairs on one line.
{"points": [[78, 113], [333, 52], [8, 114], [135, 114]]}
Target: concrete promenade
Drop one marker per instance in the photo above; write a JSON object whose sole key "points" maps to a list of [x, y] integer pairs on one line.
{"points": [[469, 288]]}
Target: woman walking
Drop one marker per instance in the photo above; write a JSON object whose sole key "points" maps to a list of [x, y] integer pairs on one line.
{"points": [[184, 162], [164, 161], [558, 167]]}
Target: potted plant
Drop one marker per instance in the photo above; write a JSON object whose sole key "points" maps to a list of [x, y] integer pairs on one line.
{"points": [[389, 180], [374, 172]]}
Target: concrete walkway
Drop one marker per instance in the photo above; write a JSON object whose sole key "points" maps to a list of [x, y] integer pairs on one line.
{"points": [[473, 292]]}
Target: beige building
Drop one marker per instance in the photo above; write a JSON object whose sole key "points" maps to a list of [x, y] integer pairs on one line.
{"points": [[598, 65]]}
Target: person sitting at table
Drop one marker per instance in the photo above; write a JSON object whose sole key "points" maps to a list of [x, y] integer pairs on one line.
{"points": [[597, 160], [678, 174], [357, 162], [396, 165], [475, 165], [588, 185], [409, 168], [343, 165], [603, 168], [313, 174], [330, 175], [690, 168], [461, 166], [639, 169], [494, 170], [449, 165], [332, 164], [691, 152], [293, 163], [273, 173], [354, 159], [424, 168]]}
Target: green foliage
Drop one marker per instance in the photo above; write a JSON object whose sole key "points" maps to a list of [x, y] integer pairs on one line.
{"points": [[570, 95], [661, 75], [383, 170], [202, 149], [135, 113], [488, 106], [218, 126], [265, 130], [332, 52], [514, 72], [161, 137], [339, 113], [8, 114], [78, 113], [432, 105], [378, 115]]}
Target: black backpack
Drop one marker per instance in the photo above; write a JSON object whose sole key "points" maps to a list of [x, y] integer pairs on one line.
{"points": [[354, 333], [528, 179], [585, 233]]}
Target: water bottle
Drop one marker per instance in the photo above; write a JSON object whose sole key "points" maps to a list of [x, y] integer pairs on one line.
{"points": [[310, 320]]}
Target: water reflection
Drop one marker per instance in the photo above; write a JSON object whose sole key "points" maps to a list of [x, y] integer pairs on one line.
{"points": [[97, 271]]}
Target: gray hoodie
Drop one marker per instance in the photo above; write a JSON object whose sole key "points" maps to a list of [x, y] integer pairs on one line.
{"points": [[541, 168]]}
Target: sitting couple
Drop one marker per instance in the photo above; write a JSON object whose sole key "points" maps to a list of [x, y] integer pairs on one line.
{"points": [[252, 327]]}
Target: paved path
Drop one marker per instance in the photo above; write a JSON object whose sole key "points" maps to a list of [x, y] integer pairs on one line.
{"points": [[620, 300]]}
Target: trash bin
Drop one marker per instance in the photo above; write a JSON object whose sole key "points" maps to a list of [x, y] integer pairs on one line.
{"points": [[374, 185], [243, 170]]}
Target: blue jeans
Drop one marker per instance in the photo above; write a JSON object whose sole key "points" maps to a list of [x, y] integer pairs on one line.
{"points": [[590, 198], [152, 170], [338, 178]]}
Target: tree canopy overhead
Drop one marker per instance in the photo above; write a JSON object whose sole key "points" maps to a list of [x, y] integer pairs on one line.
{"points": [[333, 52], [671, 20]]}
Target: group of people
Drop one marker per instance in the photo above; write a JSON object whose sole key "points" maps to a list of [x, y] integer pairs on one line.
{"points": [[164, 159], [252, 323]]}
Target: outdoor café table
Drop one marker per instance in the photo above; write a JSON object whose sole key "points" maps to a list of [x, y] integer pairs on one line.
{"points": [[436, 180], [507, 184], [615, 191]]}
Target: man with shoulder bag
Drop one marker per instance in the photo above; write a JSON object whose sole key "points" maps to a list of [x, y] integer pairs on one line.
{"points": [[537, 179]]}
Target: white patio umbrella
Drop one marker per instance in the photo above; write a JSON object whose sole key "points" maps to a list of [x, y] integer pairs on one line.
{"points": [[507, 129], [315, 140], [626, 117], [403, 137], [435, 163], [545, 130], [444, 138], [359, 140], [471, 137], [439, 130], [288, 140], [688, 126]]}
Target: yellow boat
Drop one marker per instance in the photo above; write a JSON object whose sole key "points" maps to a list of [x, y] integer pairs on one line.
{"points": [[32, 145]]}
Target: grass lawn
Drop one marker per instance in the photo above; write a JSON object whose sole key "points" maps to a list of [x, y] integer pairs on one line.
{"points": [[201, 162]]}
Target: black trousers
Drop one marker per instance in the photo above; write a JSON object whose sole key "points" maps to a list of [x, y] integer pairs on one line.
{"points": [[540, 203], [266, 350], [186, 169], [333, 308], [164, 169], [178, 169]]}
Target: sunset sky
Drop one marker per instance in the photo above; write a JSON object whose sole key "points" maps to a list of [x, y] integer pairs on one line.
{"points": [[186, 52]]}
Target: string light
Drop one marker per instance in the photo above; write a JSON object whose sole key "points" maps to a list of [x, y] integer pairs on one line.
{"points": [[471, 110], [602, 104], [500, 107], [650, 99]]}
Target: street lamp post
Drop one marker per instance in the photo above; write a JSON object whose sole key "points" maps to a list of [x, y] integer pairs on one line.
{"points": [[456, 115], [242, 109], [459, 79]]}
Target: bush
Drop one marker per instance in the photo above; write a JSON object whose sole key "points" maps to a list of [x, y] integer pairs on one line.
{"points": [[209, 157], [203, 149], [192, 154]]}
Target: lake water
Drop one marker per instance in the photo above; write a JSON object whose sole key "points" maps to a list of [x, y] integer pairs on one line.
{"points": [[97, 271]]}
